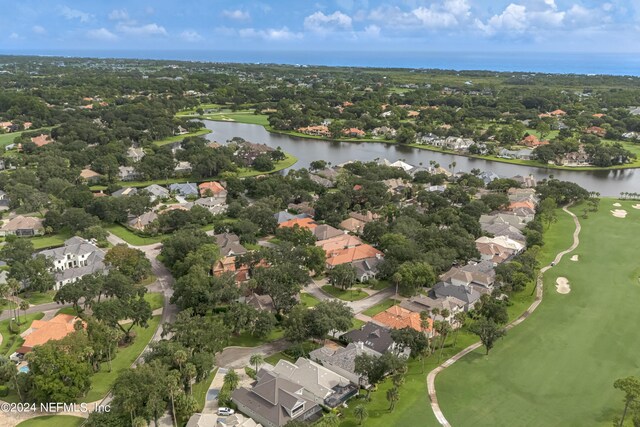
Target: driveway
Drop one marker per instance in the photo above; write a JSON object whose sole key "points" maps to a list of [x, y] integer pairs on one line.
{"points": [[238, 357], [315, 289]]}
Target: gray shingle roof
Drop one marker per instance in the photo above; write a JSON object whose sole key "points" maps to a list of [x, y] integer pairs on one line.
{"points": [[376, 337]]}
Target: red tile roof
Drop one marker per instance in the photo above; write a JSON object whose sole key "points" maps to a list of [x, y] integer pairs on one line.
{"points": [[307, 223], [212, 186], [397, 317], [347, 255], [44, 331]]}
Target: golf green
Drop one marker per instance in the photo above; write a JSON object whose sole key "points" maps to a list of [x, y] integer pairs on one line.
{"points": [[558, 367]]}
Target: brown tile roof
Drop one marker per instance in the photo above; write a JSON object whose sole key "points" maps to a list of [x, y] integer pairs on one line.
{"points": [[23, 223], [41, 140], [343, 256], [44, 331], [397, 317], [307, 223], [339, 242], [213, 186]]}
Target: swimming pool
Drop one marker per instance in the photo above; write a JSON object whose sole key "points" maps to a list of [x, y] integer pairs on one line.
{"points": [[24, 369]]}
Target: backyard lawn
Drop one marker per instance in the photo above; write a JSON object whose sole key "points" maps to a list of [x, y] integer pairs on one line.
{"points": [[49, 420], [353, 294], [46, 242], [11, 342], [102, 381], [132, 238], [558, 367], [245, 339], [177, 138]]}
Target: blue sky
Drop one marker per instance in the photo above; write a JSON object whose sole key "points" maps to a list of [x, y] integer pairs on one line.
{"points": [[304, 25]]}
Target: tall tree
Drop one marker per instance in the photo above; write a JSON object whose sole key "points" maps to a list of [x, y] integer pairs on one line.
{"points": [[488, 331], [631, 388]]}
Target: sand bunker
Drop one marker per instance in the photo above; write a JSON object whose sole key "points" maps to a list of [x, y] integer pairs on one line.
{"points": [[619, 213], [637, 206], [563, 285], [617, 205], [574, 258]]}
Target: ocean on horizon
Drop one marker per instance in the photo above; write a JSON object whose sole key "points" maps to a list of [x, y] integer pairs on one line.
{"points": [[538, 62]]}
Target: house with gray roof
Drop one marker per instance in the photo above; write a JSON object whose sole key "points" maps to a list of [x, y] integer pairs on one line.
{"points": [[366, 269], [325, 231], [342, 360], [128, 173], [320, 384], [23, 226], [156, 192], [467, 294], [125, 192], [185, 189], [326, 183], [274, 401], [504, 230], [503, 218], [373, 336], [142, 222], [229, 244], [420, 303], [284, 216], [135, 153], [77, 258], [215, 205]]}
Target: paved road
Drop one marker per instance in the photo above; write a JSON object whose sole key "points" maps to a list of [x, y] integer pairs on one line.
{"points": [[315, 289], [238, 357], [431, 377]]}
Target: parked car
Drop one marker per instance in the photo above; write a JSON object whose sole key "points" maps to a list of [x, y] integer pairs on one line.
{"points": [[225, 412]]}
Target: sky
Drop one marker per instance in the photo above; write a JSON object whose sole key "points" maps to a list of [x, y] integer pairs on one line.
{"points": [[307, 25]]}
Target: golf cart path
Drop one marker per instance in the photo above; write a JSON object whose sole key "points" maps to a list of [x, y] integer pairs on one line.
{"points": [[431, 377]]}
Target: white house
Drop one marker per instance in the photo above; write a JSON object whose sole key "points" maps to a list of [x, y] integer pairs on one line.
{"points": [[78, 257]]}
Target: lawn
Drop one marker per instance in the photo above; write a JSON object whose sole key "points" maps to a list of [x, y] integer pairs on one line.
{"points": [[558, 367], [46, 242], [37, 298], [353, 294], [132, 238], [379, 307], [155, 300], [49, 420], [200, 389], [177, 138], [308, 299], [102, 380], [245, 339], [8, 138], [11, 342], [242, 116]]}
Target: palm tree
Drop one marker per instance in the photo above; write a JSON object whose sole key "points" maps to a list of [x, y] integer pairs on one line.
{"points": [[256, 360], [24, 306], [397, 379], [361, 413], [392, 397], [460, 318], [231, 379], [396, 279], [330, 420]]}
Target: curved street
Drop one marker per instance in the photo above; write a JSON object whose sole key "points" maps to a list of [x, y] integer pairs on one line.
{"points": [[431, 377]]}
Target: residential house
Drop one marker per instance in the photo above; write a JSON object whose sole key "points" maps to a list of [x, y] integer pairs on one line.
{"points": [[125, 192], [90, 176], [228, 265], [235, 420], [183, 168], [524, 154], [397, 317], [307, 223], [23, 226], [304, 208], [468, 295], [524, 204], [503, 218], [373, 336], [422, 303], [558, 113], [634, 111], [532, 141], [142, 222], [339, 242], [397, 186], [213, 204], [488, 177], [523, 194], [274, 401], [315, 131], [385, 132], [128, 173], [42, 331], [247, 152], [631, 135], [284, 216], [366, 269], [260, 302], [4, 201], [328, 173], [354, 133], [596, 130], [184, 189], [212, 189], [320, 384], [342, 360], [42, 140], [202, 420], [77, 258], [505, 230], [6, 126], [135, 153], [229, 244], [349, 255], [353, 225], [156, 192], [325, 231], [479, 275], [326, 183], [526, 181], [498, 249]]}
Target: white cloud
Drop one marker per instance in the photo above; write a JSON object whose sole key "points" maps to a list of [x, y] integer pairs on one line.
{"points": [[236, 15], [274, 34], [446, 14], [552, 4], [372, 30], [69, 13], [191, 36], [38, 29], [513, 18], [119, 15], [142, 30], [101, 34], [321, 23], [14, 36]]}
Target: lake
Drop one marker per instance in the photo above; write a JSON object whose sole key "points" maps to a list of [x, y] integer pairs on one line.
{"points": [[607, 183]]}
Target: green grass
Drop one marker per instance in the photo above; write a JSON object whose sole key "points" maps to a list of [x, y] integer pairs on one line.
{"points": [[67, 310], [37, 298], [357, 323], [353, 294], [49, 420], [8, 138], [288, 161], [102, 381], [274, 358], [46, 242], [177, 138], [132, 238], [155, 300], [245, 339], [243, 116], [200, 389], [379, 307], [558, 367], [10, 345], [308, 299]]}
